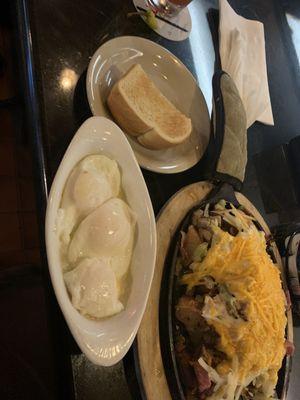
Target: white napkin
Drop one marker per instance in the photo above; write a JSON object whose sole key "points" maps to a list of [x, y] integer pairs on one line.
{"points": [[243, 57]]}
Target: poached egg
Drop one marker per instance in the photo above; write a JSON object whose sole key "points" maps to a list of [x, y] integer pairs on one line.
{"points": [[92, 286], [107, 234], [94, 180]]}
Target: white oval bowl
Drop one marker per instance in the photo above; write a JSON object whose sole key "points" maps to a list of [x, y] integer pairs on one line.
{"points": [[106, 341]]}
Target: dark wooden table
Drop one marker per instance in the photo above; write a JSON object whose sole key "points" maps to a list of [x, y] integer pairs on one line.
{"points": [[56, 35]]}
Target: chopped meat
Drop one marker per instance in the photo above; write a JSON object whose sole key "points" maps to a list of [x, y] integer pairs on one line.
{"points": [[186, 370], [191, 395], [208, 286], [202, 351], [178, 267], [190, 291], [179, 343], [202, 290], [198, 214], [205, 234], [233, 231], [241, 308], [235, 308], [289, 347], [208, 392], [207, 222], [269, 239], [210, 337], [189, 314], [189, 241], [227, 227], [202, 377], [248, 392], [211, 355]]}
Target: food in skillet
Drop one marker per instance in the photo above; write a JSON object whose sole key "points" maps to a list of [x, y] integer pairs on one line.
{"points": [[230, 308]]}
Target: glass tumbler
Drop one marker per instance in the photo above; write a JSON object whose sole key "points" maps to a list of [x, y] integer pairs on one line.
{"points": [[169, 8]]}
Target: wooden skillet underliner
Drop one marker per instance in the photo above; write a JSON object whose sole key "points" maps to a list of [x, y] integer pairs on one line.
{"points": [[148, 343]]}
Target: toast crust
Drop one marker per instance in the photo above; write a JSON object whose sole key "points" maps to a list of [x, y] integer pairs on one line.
{"points": [[144, 112]]}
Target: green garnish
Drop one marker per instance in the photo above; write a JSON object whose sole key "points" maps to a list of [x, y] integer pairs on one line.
{"points": [[200, 252], [220, 206], [148, 15], [151, 20]]}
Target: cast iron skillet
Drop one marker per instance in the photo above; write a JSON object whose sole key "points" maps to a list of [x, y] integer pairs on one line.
{"points": [[225, 186]]}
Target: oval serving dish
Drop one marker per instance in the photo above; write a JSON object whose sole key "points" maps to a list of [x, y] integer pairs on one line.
{"points": [[105, 341]]}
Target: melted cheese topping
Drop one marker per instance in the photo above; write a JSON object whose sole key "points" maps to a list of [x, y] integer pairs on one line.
{"points": [[256, 345]]}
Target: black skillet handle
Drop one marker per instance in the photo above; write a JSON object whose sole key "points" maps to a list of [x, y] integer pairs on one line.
{"points": [[223, 191]]}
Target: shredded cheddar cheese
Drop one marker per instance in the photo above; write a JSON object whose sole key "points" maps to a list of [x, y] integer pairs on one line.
{"points": [[257, 344]]}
